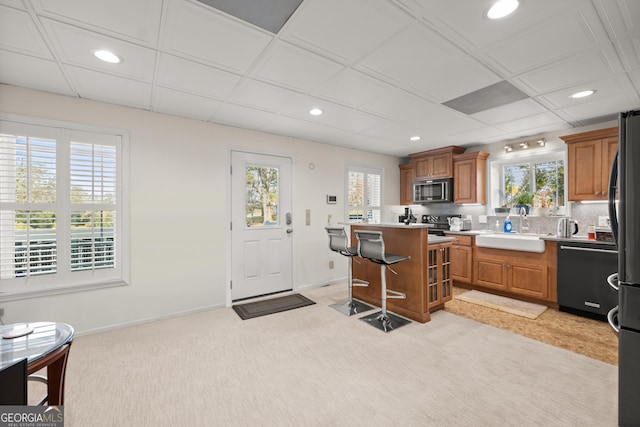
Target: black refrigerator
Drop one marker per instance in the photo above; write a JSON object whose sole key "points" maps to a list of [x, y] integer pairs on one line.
{"points": [[625, 223]]}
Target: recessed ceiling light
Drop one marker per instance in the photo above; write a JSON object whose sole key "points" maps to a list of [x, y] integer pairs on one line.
{"points": [[502, 8], [582, 94], [415, 138], [316, 112], [107, 56]]}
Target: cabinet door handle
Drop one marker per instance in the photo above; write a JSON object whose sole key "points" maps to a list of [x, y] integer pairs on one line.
{"points": [[597, 193]]}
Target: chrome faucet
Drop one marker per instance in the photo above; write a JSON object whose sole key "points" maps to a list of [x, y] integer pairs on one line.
{"points": [[523, 220]]}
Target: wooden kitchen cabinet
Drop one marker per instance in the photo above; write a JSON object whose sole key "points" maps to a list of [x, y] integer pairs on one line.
{"points": [[590, 155], [515, 272], [407, 175], [439, 282], [435, 163], [461, 258], [469, 178]]}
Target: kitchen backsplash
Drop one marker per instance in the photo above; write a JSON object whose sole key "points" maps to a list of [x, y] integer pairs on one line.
{"points": [[584, 213]]}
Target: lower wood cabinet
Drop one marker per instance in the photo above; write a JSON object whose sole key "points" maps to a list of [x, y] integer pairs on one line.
{"points": [[516, 277], [461, 258], [439, 281], [515, 272]]}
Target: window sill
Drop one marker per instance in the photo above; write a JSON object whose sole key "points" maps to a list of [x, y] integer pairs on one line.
{"points": [[7, 296]]}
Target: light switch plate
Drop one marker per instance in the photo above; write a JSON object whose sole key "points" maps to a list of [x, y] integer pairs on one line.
{"points": [[482, 219]]}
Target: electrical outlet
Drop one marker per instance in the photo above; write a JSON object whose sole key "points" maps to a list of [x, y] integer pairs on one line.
{"points": [[469, 217], [307, 217], [1, 312], [482, 219], [603, 221], [330, 265], [329, 219]]}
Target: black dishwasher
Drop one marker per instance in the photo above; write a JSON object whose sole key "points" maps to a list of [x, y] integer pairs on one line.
{"points": [[582, 278]]}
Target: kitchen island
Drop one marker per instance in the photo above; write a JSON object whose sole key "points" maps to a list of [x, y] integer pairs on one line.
{"points": [[424, 278]]}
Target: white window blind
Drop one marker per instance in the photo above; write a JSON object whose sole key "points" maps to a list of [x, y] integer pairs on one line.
{"points": [[60, 205], [364, 194]]}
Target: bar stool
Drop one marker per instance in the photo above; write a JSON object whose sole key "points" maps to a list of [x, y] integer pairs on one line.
{"points": [[371, 247], [338, 242]]}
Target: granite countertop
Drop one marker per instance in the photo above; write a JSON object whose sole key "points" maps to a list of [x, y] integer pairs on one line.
{"points": [[434, 240], [577, 239], [391, 225]]}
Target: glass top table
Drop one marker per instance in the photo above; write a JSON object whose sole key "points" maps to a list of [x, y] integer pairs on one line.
{"points": [[45, 338]]}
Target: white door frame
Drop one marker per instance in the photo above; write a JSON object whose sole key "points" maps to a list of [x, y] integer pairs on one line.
{"points": [[229, 272]]}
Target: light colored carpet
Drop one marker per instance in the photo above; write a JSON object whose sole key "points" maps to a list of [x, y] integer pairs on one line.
{"points": [[316, 367], [508, 305]]}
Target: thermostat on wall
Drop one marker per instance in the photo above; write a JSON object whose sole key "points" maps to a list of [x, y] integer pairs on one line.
{"points": [[332, 200]]}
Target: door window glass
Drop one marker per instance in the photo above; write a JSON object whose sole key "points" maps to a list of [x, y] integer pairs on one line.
{"points": [[261, 200]]}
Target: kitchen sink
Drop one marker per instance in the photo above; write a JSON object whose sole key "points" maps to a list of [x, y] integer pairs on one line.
{"points": [[511, 241]]}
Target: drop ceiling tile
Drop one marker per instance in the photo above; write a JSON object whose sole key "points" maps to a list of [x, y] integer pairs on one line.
{"points": [[480, 135], [183, 104], [403, 107], [263, 96], [13, 3], [629, 51], [295, 68], [525, 125], [12, 22], [603, 107], [334, 115], [244, 117], [27, 71], [619, 17], [198, 79], [445, 131], [137, 21], [551, 40], [583, 67], [356, 26], [453, 78], [635, 78], [392, 131], [464, 20], [108, 88], [75, 46], [605, 88], [513, 111], [204, 35], [409, 55], [352, 88]]}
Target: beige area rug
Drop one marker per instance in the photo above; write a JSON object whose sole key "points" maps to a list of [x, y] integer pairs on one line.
{"points": [[508, 305]]}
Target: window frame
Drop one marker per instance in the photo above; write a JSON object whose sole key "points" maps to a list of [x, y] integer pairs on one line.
{"points": [[497, 175], [365, 169], [62, 282]]}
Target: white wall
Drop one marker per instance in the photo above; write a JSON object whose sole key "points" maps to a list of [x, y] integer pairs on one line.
{"points": [[178, 188]]}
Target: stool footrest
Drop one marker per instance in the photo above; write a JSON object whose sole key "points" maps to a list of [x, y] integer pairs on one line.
{"points": [[396, 294], [358, 282]]}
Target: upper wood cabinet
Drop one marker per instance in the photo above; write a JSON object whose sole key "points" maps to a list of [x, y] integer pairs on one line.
{"points": [[435, 163], [469, 173], [590, 155], [407, 175]]}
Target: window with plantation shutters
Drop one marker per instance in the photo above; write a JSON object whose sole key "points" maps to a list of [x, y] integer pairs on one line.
{"points": [[60, 208], [364, 194]]}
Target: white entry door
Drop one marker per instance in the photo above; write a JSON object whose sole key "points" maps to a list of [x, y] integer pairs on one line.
{"points": [[261, 225]]}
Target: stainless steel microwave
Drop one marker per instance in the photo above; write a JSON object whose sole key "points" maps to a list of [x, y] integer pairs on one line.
{"points": [[433, 190]]}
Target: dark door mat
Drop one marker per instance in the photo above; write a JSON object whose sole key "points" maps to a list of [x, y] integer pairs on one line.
{"points": [[270, 306]]}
